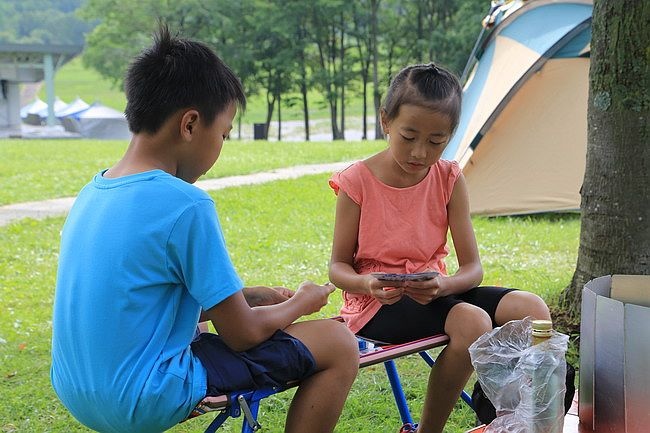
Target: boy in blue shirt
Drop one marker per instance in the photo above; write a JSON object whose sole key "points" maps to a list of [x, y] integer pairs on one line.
{"points": [[143, 259]]}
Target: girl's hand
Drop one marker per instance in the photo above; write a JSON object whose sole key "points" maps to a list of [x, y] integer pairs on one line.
{"points": [[386, 292], [423, 292]]}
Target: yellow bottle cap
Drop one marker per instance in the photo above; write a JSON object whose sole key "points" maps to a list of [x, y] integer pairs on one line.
{"points": [[542, 325], [542, 328]]}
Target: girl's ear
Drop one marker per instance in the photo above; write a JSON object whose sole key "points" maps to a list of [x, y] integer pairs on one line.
{"points": [[383, 118], [189, 122]]}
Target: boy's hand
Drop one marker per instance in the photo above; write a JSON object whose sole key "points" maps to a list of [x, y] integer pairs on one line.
{"points": [[313, 296], [261, 295], [386, 292], [423, 292]]}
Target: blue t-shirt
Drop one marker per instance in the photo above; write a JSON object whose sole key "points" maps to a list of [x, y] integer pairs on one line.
{"points": [[140, 256]]}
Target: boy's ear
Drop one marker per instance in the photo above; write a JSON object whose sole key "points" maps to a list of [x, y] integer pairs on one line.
{"points": [[189, 122]]}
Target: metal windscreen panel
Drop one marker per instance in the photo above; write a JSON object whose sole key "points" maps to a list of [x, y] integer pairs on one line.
{"points": [[637, 363], [609, 407], [598, 287]]}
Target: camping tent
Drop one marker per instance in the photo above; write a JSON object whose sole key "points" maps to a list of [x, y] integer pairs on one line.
{"points": [[29, 113], [522, 136], [33, 107], [36, 112], [98, 121], [74, 107]]}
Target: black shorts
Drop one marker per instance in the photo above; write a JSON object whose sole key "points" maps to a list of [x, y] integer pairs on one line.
{"points": [[274, 362], [407, 320]]}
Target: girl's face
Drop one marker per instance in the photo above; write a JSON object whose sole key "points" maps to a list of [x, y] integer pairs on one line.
{"points": [[417, 136]]}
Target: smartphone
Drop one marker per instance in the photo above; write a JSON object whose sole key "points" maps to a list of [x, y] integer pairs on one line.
{"points": [[419, 276]]}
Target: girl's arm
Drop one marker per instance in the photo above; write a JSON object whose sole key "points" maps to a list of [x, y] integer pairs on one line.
{"points": [[470, 271], [341, 272]]}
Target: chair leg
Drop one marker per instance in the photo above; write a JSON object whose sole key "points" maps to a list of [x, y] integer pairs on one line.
{"points": [[398, 392], [465, 396], [216, 423], [250, 409]]}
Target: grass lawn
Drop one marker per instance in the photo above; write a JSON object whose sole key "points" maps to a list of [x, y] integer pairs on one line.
{"points": [[42, 169], [533, 253]]}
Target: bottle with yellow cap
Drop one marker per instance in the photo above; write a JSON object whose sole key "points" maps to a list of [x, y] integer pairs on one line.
{"points": [[546, 398], [542, 331]]}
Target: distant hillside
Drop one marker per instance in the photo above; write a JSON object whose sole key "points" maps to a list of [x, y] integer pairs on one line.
{"points": [[42, 22]]}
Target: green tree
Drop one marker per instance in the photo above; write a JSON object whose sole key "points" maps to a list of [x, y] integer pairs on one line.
{"points": [[615, 220], [363, 42], [328, 32], [41, 22]]}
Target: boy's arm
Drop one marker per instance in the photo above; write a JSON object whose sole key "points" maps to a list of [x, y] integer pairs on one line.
{"points": [[260, 295], [243, 327]]}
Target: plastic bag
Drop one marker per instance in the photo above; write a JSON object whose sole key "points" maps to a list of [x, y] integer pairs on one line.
{"points": [[525, 383]]}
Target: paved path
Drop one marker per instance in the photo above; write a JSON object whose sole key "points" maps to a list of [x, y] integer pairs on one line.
{"points": [[61, 206]]}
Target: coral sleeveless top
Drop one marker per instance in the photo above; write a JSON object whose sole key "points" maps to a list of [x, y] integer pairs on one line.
{"points": [[400, 229]]}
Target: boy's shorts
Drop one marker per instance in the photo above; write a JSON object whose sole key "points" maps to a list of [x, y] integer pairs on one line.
{"points": [[407, 320], [274, 362]]}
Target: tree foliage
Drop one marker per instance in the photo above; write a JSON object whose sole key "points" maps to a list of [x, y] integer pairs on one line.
{"points": [[279, 47], [42, 22]]}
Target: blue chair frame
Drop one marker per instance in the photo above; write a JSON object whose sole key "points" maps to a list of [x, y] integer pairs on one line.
{"points": [[247, 403]]}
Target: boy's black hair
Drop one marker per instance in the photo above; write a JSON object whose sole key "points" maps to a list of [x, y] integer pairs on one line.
{"points": [[174, 74], [427, 85]]}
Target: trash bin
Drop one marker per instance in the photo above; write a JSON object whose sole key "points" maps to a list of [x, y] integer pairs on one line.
{"points": [[259, 131]]}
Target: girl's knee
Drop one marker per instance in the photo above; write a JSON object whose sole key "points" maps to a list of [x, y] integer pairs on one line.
{"points": [[519, 304], [465, 323]]}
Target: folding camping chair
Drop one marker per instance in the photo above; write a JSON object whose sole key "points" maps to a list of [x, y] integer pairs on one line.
{"points": [[370, 353]]}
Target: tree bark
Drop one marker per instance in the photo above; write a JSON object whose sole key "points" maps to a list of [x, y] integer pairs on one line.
{"points": [[615, 195], [374, 7], [342, 77]]}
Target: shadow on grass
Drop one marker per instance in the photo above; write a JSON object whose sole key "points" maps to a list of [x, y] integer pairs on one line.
{"points": [[550, 217]]}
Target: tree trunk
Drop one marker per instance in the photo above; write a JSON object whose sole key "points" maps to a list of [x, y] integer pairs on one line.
{"points": [[615, 206], [364, 110], [279, 117], [374, 6], [303, 91], [342, 77], [305, 105], [270, 105]]}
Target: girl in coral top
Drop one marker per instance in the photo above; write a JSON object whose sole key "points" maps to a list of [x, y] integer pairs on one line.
{"points": [[393, 212]]}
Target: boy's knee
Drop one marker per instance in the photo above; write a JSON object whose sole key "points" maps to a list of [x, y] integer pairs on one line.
{"points": [[344, 339], [330, 342]]}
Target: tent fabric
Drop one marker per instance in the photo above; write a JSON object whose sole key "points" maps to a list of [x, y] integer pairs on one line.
{"points": [[521, 139], [98, 121], [58, 105], [31, 116], [33, 107], [532, 158], [74, 107]]}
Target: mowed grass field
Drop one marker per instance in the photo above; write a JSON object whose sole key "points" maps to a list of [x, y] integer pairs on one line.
{"points": [[278, 233]]}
